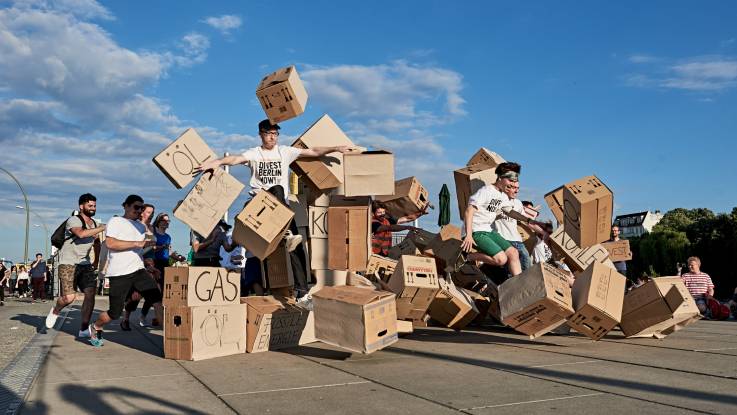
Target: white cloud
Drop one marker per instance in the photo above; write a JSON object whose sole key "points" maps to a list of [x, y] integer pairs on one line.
{"points": [[225, 23], [703, 74], [642, 59]]}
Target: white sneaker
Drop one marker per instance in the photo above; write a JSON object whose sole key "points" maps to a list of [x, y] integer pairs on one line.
{"points": [[292, 241], [51, 319], [142, 322], [84, 334]]}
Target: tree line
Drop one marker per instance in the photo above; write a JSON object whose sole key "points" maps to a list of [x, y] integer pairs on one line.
{"points": [[690, 232]]}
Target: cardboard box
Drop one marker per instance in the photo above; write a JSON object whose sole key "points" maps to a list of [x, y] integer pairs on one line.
{"points": [[492, 291], [452, 307], [282, 95], [487, 157], [349, 233], [415, 281], [446, 248], [298, 205], [421, 238], [587, 208], [482, 303], [618, 250], [317, 222], [261, 224], [469, 276], [406, 247], [276, 270], [536, 301], [529, 238], [381, 267], [576, 258], [658, 308], [178, 160], [598, 294], [195, 286], [554, 199], [358, 319], [273, 323], [208, 201], [204, 332], [318, 254], [469, 180], [409, 197], [367, 174], [325, 172], [315, 196], [404, 327]]}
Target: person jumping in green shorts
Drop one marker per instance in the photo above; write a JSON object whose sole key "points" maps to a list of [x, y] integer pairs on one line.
{"points": [[484, 207]]}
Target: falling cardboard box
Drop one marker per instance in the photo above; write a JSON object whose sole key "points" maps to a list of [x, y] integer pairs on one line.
{"points": [[406, 247], [282, 95], [381, 267], [469, 180], [324, 172], [452, 307], [273, 323], [276, 271], [204, 332], [208, 201], [575, 257], [261, 224], [658, 308], [196, 286], [367, 173], [415, 281], [536, 301], [358, 319], [482, 303], [587, 209], [598, 294], [469, 276], [349, 233], [554, 199], [410, 197], [446, 248], [178, 160], [618, 250], [421, 238], [487, 157], [492, 291]]}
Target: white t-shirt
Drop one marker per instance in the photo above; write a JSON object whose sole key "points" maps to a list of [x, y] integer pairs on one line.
{"points": [[506, 226], [542, 252], [270, 167], [128, 261], [488, 202]]}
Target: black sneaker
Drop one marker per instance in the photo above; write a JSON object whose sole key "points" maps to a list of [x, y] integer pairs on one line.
{"points": [[125, 325]]}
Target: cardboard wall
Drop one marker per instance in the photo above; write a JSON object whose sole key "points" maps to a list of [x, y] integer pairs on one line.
{"points": [[196, 286], [204, 332]]}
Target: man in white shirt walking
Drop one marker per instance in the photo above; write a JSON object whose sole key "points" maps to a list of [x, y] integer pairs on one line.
{"points": [[125, 240]]}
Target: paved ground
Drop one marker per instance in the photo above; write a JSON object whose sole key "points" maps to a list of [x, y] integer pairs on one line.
{"points": [[480, 371], [17, 318]]}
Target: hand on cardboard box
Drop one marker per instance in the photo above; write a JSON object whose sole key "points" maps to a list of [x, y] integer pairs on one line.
{"points": [[208, 166], [467, 243]]}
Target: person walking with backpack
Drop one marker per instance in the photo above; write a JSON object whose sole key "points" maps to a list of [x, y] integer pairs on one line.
{"points": [[38, 278], [76, 270]]}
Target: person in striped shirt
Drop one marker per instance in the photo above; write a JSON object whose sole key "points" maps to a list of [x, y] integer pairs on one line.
{"points": [[698, 283]]}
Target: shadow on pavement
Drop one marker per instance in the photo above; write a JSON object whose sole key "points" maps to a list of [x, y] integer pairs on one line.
{"points": [[472, 335], [110, 401], [547, 374], [38, 322]]}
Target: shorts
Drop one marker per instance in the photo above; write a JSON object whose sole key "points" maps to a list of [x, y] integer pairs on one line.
{"points": [[76, 276], [490, 243], [121, 285]]}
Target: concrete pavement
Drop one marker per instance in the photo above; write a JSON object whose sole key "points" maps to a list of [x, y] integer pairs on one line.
{"points": [[479, 371]]}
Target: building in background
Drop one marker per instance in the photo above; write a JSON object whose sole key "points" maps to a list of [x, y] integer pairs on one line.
{"points": [[637, 224]]}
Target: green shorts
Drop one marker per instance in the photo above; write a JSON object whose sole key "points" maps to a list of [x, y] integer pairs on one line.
{"points": [[490, 243]]}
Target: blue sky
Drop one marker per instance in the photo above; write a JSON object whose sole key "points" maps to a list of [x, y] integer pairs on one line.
{"points": [[640, 93]]}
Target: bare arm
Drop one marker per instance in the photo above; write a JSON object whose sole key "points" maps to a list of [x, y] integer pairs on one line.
{"points": [[468, 222], [222, 161], [321, 151], [80, 232], [118, 245]]}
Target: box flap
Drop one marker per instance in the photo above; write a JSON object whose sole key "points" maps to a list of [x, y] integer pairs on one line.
{"points": [[280, 75], [352, 295]]}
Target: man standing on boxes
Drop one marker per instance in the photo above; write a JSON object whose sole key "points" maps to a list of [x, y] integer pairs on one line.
{"points": [[484, 207], [125, 240], [269, 164]]}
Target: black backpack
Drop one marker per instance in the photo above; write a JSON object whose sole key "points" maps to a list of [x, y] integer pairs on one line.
{"points": [[58, 239]]}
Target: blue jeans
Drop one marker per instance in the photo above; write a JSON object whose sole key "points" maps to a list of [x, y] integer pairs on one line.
{"points": [[524, 256]]}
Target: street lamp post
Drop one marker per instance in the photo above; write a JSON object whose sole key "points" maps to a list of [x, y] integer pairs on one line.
{"points": [[28, 210], [43, 223]]}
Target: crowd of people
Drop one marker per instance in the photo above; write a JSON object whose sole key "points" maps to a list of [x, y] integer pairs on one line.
{"points": [[133, 249], [26, 282]]}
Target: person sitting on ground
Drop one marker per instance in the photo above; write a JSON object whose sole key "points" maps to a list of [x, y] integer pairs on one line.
{"points": [[484, 207], [699, 284], [382, 226]]}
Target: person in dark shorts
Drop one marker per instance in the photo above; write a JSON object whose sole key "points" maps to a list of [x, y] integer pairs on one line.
{"points": [[76, 271], [125, 240]]}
